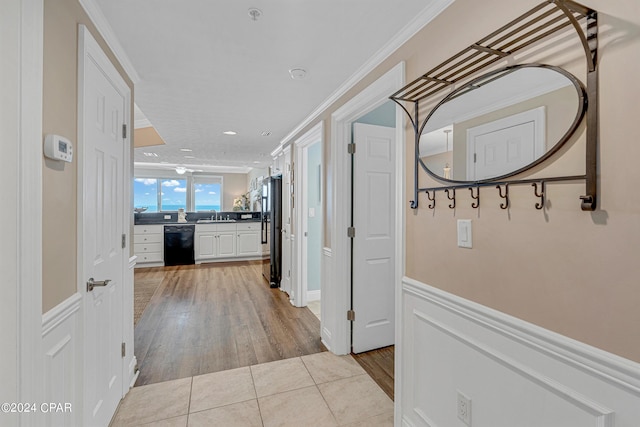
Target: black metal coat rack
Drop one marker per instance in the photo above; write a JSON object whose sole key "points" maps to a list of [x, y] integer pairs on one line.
{"points": [[533, 26]]}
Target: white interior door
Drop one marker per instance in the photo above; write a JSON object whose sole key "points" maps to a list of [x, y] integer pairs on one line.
{"points": [[287, 256], [102, 115], [505, 145], [374, 255]]}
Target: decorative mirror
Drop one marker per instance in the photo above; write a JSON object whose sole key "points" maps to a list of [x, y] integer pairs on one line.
{"points": [[477, 125], [501, 123]]}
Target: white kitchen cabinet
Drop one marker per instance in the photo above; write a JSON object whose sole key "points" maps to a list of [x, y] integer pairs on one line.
{"points": [[248, 243], [148, 245], [215, 241]]}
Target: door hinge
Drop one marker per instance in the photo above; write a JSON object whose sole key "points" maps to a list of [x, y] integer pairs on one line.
{"points": [[475, 157], [124, 349], [124, 241], [351, 232], [124, 131], [351, 315], [351, 148]]}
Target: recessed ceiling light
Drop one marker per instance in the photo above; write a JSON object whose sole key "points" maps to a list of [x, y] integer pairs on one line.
{"points": [[298, 73], [150, 154], [265, 133], [189, 157], [230, 132], [186, 150]]}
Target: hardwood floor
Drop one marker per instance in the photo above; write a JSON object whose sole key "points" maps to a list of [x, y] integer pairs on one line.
{"points": [[212, 317], [379, 365]]}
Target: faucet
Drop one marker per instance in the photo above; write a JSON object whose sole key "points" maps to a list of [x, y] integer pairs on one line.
{"points": [[214, 217]]}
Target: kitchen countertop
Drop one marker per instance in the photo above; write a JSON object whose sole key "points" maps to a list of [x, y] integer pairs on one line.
{"points": [[158, 218]]}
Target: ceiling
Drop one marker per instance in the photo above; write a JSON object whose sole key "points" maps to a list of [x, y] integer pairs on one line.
{"points": [[205, 67]]}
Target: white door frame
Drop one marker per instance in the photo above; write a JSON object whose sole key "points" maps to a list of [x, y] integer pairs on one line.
{"points": [[367, 100], [313, 136], [88, 47], [21, 45]]}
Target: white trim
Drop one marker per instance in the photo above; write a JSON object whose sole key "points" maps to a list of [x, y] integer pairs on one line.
{"points": [[104, 28], [420, 21], [367, 100], [314, 295], [54, 317], [609, 367], [22, 76], [312, 136], [61, 356], [602, 385]]}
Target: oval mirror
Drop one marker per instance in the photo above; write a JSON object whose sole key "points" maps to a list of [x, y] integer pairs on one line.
{"points": [[501, 123]]}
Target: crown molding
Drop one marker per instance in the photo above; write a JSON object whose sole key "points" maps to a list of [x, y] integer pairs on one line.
{"points": [[416, 24], [104, 28]]}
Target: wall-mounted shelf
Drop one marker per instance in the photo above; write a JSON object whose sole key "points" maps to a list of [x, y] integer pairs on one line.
{"points": [[418, 98]]}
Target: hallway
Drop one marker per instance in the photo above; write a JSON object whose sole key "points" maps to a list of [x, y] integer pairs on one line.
{"points": [[213, 317]]}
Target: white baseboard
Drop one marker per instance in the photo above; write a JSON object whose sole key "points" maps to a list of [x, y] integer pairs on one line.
{"points": [[313, 295], [509, 368], [61, 347]]}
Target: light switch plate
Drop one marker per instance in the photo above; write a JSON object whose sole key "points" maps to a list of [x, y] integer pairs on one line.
{"points": [[167, 217], [464, 234]]}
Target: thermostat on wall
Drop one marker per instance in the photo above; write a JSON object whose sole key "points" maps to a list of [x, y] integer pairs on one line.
{"points": [[58, 148]]}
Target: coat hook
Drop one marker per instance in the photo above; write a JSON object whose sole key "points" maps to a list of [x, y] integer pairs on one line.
{"points": [[475, 204], [432, 205], [504, 205], [451, 205], [540, 204]]}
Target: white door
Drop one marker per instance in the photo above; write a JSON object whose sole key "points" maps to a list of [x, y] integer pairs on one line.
{"points": [[505, 145], [373, 262], [287, 256], [102, 116]]}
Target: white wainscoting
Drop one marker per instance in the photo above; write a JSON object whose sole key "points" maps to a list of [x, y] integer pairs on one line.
{"points": [[328, 306], [61, 329], [515, 373]]}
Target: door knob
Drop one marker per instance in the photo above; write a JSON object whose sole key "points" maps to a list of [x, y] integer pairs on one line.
{"points": [[92, 283]]}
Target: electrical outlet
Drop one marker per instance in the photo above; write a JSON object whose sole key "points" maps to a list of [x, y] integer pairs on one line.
{"points": [[464, 408]]}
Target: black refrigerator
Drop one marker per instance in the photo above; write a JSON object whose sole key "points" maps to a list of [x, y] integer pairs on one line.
{"points": [[271, 229]]}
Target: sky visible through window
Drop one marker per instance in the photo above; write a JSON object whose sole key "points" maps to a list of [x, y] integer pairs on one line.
{"points": [[173, 194], [145, 194], [206, 196]]}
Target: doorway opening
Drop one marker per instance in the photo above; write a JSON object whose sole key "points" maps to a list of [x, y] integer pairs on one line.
{"points": [[339, 288]]}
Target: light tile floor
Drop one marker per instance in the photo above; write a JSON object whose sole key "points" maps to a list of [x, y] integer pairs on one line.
{"points": [[316, 390]]}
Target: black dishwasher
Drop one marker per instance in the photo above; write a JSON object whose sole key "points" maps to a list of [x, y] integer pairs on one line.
{"points": [[178, 244]]}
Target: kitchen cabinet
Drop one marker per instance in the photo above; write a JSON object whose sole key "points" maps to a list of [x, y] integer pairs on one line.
{"points": [[148, 244], [215, 241], [248, 243]]}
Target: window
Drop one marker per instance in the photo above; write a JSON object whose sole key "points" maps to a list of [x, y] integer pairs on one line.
{"points": [[145, 194], [173, 194], [207, 193], [197, 193]]}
